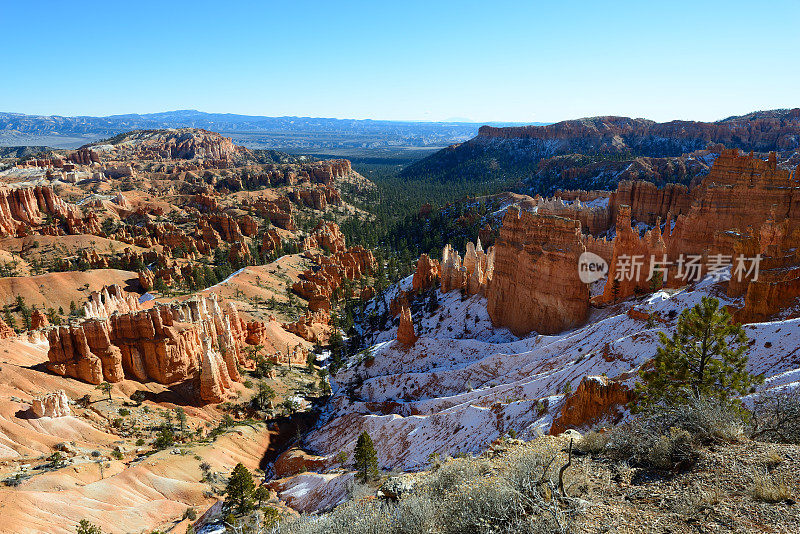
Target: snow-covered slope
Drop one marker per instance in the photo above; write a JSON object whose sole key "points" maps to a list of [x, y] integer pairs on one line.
{"points": [[464, 383]]}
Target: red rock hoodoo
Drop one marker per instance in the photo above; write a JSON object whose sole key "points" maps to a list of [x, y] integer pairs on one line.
{"points": [[405, 330]]}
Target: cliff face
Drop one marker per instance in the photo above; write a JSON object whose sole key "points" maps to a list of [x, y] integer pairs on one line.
{"points": [[739, 192], [165, 344], [648, 202], [40, 210], [759, 133], [745, 206], [595, 399], [600, 152], [535, 285]]}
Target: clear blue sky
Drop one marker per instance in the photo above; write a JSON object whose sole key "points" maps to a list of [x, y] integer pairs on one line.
{"points": [[430, 60]]}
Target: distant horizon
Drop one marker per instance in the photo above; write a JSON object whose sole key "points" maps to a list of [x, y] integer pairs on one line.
{"points": [[459, 120]]}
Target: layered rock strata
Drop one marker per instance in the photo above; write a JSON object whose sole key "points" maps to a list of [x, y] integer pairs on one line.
{"points": [[535, 284], [166, 344]]}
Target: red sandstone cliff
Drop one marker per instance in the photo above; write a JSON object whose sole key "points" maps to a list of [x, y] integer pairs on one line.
{"points": [[165, 344], [596, 398], [535, 285]]}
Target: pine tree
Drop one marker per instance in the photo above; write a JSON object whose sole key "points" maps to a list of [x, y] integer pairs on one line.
{"points": [[656, 282], [240, 489], [180, 415], [366, 459], [615, 289], [105, 387], [705, 357], [85, 527], [261, 494]]}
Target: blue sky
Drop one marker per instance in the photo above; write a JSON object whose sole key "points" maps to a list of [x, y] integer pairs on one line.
{"points": [[486, 61]]}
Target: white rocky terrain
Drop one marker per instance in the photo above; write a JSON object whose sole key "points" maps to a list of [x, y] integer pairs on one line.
{"points": [[464, 384]]}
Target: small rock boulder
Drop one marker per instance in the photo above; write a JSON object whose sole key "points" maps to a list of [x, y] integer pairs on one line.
{"points": [[51, 405]]}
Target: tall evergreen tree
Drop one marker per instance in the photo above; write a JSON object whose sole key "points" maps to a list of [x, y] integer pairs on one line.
{"points": [[705, 357], [240, 489], [366, 459]]}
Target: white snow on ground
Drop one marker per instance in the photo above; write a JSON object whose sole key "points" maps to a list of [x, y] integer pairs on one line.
{"points": [[229, 278], [312, 491], [464, 384]]}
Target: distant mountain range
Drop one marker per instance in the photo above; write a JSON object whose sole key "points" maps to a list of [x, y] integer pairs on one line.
{"points": [[597, 152], [285, 133]]}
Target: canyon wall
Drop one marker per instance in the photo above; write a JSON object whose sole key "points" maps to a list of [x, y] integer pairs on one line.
{"points": [[195, 339], [39, 209], [744, 207], [762, 134], [535, 284]]}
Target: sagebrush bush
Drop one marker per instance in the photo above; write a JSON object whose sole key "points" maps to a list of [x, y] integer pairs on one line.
{"points": [[767, 489], [776, 417], [452, 473], [593, 442], [482, 506], [461, 496], [707, 419], [641, 443]]}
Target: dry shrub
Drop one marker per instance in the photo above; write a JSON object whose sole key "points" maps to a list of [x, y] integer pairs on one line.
{"points": [[706, 419], [593, 442], [642, 445], [462, 496], [773, 459], [766, 489], [776, 417]]}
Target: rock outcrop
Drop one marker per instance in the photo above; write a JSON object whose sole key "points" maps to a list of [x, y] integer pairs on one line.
{"points": [[38, 320], [473, 274], [427, 274], [110, 300], [317, 285], [326, 236], [405, 329], [6, 332], [535, 284], [744, 207], [314, 327], [597, 398], [166, 344], [39, 209], [51, 405], [633, 258]]}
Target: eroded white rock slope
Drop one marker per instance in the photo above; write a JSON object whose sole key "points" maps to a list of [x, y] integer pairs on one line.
{"points": [[464, 383]]}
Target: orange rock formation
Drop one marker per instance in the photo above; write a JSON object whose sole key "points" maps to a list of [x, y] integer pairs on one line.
{"points": [[427, 274], [535, 284], [194, 339], [405, 330], [595, 399]]}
